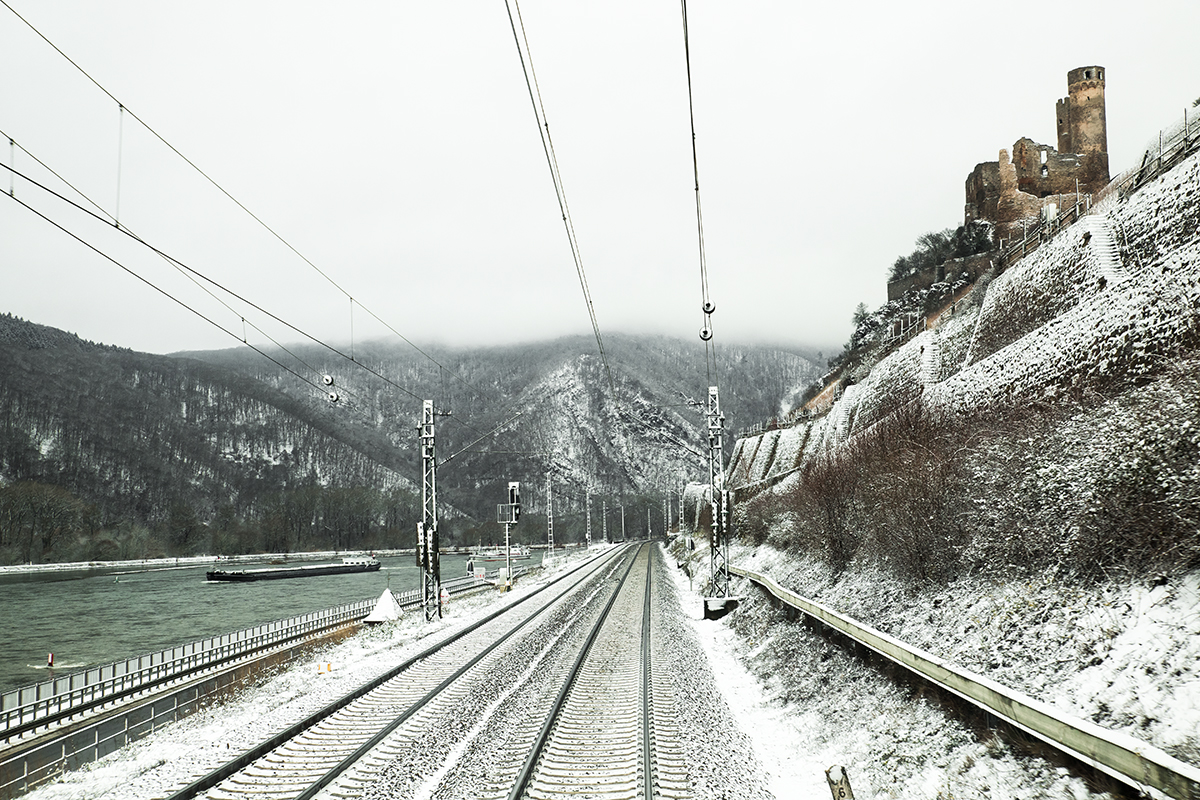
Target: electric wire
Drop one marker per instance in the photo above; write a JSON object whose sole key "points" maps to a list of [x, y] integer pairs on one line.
{"points": [[706, 304], [196, 276], [164, 292], [188, 273], [544, 133], [222, 190], [543, 126]]}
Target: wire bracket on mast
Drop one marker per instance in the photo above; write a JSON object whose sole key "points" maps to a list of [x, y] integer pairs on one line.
{"points": [[427, 535]]}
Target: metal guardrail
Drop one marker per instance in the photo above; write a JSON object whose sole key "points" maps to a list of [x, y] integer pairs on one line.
{"points": [[85, 688], [1125, 758], [80, 690]]}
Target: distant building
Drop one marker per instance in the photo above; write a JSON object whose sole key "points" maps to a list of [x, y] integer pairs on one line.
{"points": [[1008, 190]]}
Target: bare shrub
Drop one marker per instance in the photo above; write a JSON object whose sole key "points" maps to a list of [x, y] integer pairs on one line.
{"points": [[916, 482], [758, 517], [822, 503]]}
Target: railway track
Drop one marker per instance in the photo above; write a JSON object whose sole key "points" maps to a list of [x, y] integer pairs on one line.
{"points": [[347, 744], [610, 733], [551, 698]]}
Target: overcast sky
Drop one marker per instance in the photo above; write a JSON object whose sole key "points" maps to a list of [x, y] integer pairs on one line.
{"points": [[394, 145]]}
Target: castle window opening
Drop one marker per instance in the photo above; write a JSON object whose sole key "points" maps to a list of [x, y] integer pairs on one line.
{"points": [[1087, 73]]}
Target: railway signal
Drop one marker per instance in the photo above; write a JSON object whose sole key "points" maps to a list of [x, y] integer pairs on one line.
{"points": [[508, 514]]}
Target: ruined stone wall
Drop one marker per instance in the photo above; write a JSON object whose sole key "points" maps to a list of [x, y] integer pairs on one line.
{"points": [[1043, 171], [1005, 192], [983, 190]]}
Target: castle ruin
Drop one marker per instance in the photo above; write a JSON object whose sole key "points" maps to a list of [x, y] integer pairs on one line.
{"points": [[1009, 190]]}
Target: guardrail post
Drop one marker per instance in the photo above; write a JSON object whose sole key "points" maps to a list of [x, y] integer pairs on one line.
{"points": [[839, 783]]}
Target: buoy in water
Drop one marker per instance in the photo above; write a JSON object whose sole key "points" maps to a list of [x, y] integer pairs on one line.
{"points": [[50, 660]]}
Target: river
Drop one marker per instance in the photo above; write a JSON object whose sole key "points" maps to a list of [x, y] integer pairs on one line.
{"points": [[90, 619]]}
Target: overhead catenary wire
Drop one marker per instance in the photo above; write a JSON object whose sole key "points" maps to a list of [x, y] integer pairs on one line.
{"points": [[183, 269], [114, 221], [180, 265], [707, 306], [125, 110], [198, 277], [543, 125], [191, 309], [164, 292]]}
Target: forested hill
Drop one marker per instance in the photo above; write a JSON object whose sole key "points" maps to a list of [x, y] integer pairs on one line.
{"points": [[633, 438], [105, 452]]}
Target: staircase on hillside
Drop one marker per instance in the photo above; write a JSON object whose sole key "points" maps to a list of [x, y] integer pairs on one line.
{"points": [[931, 361], [1104, 248], [845, 405]]}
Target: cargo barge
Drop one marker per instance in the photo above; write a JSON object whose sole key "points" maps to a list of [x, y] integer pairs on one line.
{"points": [[348, 565]]}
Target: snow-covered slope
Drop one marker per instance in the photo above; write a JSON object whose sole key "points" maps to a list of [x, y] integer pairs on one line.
{"points": [[1110, 296]]}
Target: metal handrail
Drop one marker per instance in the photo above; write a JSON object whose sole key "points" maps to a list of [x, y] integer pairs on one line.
{"points": [[28, 704], [1132, 761]]}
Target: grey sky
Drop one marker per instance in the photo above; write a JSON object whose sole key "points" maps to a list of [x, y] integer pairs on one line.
{"points": [[394, 145]]}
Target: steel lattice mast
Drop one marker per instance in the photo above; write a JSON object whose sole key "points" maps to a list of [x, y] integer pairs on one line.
{"points": [[427, 536], [719, 552], [549, 517]]}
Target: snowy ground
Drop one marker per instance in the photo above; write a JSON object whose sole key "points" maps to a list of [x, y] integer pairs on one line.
{"points": [[1125, 657], [789, 704], [214, 735]]}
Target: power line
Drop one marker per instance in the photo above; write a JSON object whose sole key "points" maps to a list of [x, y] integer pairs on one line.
{"points": [[164, 292], [544, 133], [125, 110], [183, 269], [196, 277], [707, 306], [543, 125], [199, 275]]}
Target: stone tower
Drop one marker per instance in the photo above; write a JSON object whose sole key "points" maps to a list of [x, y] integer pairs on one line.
{"points": [[1082, 127], [1081, 123]]}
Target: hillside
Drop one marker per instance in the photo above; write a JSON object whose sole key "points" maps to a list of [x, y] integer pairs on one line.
{"points": [[1014, 490], [1060, 397], [107, 453]]}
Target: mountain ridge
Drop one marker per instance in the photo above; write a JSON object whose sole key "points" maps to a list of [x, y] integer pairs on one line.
{"points": [[225, 451]]}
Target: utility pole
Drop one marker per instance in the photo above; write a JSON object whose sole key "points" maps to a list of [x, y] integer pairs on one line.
{"points": [[587, 507], [427, 535], [622, 522], [719, 552], [604, 518]]}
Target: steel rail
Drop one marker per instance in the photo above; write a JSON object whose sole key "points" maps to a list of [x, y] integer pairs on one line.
{"points": [[247, 758], [1129, 760], [531, 761], [647, 688]]}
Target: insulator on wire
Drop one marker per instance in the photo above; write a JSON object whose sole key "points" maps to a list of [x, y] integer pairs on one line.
{"points": [[327, 380], [710, 307], [334, 397], [705, 334]]}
